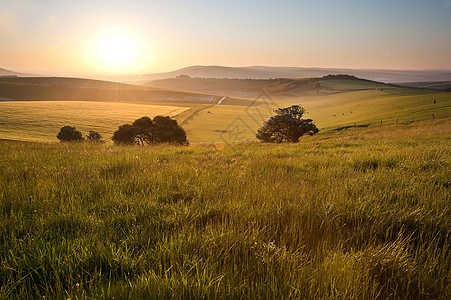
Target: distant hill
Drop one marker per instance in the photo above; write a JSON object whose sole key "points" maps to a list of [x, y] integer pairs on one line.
{"points": [[5, 72], [262, 72], [440, 85], [78, 89], [280, 87]]}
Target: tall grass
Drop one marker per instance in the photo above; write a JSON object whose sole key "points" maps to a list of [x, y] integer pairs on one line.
{"points": [[355, 214]]}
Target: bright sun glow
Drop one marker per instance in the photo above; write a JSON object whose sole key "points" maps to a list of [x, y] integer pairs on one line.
{"points": [[117, 51]]}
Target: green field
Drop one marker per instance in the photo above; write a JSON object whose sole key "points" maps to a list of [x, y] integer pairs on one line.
{"points": [[79, 89], [330, 103], [356, 214], [329, 111], [42, 120]]}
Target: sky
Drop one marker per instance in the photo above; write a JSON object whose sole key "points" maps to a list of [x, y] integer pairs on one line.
{"points": [[148, 36]]}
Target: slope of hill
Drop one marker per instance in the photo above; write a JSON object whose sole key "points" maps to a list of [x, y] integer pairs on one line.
{"points": [[280, 87], [332, 102], [361, 214], [262, 72], [76, 89], [42, 120], [238, 87], [235, 123], [440, 85], [5, 72]]}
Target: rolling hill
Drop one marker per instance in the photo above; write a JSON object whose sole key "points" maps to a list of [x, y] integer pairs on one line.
{"points": [[34, 108], [281, 87], [5, 72], [78, 89], [435, 85], [263, 72], [331, 101]]}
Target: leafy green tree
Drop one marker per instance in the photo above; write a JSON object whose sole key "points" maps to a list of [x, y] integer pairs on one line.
{"points": [[69, 134], [286, 126], [143, 130], [124, 135], [294, 111], [166, 130], [94, 137], [159, 130]]}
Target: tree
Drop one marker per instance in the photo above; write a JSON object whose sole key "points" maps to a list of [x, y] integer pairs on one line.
{"points": [[124, 135], [159, 130], [166, 130], [143, 130], [69, 134], [94, 137], [294, 111], [286, 126]]}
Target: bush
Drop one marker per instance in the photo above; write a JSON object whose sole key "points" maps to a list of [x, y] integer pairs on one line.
{"points": [[69, 134], [94, 137]]}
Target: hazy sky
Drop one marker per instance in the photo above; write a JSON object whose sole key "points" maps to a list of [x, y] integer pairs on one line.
{"points": [[73, 36]]}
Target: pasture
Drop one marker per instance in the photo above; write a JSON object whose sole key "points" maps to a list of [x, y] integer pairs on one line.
{"points": [[42, 120], [331, 103], [361, 213], [236, 123]]}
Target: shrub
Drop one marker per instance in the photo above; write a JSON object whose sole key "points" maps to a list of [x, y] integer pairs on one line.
{"points": [[69, 134], [94, 137]]}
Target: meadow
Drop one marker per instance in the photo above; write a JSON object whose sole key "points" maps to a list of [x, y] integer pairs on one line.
{"points": [[42, 120], [103, 106], [356, 214], [330, 110]]}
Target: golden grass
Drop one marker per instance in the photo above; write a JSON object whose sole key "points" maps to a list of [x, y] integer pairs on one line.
{"points": [[220, 123], [356, 214], [235, 120], [42, 120]]}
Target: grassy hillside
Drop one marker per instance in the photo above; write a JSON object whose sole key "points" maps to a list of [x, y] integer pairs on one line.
{"points": [[76, 89], [441, 85], [329, 111], [278, 87], [330, 102], [246, 88], [264, 72], [42, 120], [357, 214]]}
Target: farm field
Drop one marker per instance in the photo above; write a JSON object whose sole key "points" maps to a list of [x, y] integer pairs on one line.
{"points": [[337, 103], [357, 214], [42, 120], [235, 123], [80, 89]]}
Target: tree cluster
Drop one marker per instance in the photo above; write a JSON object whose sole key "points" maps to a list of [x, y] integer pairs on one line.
{"points": [[71, 134], [286, 126], [162, 129]]}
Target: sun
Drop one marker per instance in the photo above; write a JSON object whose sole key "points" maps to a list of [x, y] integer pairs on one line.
{"points": [[116, 51]]}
